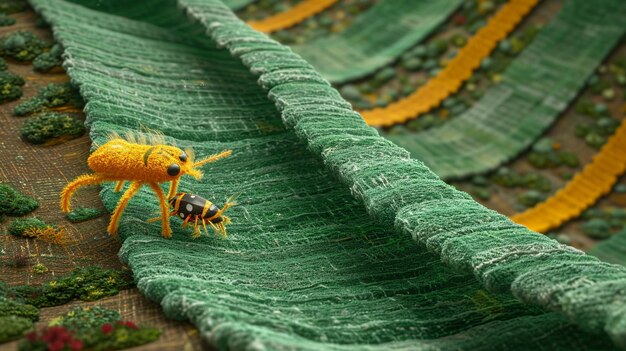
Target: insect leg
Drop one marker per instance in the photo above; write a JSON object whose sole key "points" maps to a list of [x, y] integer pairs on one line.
{"points": [[186, 221], [166, 231], [121, 205], [119, 186], [214, 227], [204, 225], [155, 219], [196, 229], [68, 191], [173, 188]]}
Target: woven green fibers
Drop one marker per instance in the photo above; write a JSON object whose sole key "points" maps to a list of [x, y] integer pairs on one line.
{"points": [[535, 89], [612, 250], [375, 38], [237, 4], [320, 254]]}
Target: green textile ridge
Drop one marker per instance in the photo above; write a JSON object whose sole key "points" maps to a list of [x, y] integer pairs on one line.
{"points": [[376, 38], [535, 89], [237, 4], [305, 266], [612, 250]]}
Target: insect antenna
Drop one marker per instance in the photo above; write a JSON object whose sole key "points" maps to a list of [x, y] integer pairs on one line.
{"points": [[213, 158]]}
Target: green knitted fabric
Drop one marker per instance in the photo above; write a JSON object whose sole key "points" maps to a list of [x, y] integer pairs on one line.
{"points": [[375, 38], [534, 90], [237, 4], [340, 241], [612, 250]]}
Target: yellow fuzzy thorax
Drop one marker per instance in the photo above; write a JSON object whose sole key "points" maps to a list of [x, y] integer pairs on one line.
{"points": [[119, 159]]}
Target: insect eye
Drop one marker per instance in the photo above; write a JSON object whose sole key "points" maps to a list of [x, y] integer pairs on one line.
{"points": [[183, 156], [173, 169]]}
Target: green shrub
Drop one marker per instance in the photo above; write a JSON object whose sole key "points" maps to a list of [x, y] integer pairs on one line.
{"points": [[51, 126], [13, 6], [83, 320], [6, 20], [83, 214], [85, 283], [10, 86], [52, 95], [39, 268], [9, 307], [14, 203], [19, 226], [22, 45], [531, 198], [49, 60], [597, 228], [13, 328]]}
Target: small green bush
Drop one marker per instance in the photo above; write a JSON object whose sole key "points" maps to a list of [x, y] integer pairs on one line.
{"points": [[14, 203], [19, 226], [49, 60], [52, 95], [10, 86], [51, 126], [6, 20], [85, 283], [23, 45], [13, 6], [13, 328], [10, 307], [597, 228], [83, 214], [83, 320]]}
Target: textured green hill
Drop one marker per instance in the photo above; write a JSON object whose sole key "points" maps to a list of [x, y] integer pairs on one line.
{"points": [[376, 38], [535, 89]]}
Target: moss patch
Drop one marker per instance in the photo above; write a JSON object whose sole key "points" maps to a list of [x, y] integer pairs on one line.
{"points": [[6, 20], [10, 86], [51, 128], [124, 335], [52, 95], [14, 203], [3, 64], [23, 46], [49, 60], [85, 283], [83, 320], [13, 328], [10, 307], [39, 268], [93, 328], [15, 317], [83, 214], [22, 226], [13, 6]]}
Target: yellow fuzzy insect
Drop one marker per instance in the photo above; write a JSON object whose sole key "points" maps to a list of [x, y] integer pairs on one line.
{"points": [[139, 161]]}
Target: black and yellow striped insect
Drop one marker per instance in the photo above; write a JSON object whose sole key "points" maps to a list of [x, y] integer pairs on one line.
{"points": [[196, 210]]}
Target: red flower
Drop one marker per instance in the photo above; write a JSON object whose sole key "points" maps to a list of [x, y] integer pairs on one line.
{"points": [[48, 335], [32, 336], [64, 336], [76, 345], [107, 328], [458, 19], [56, 345], [131, 325]]}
